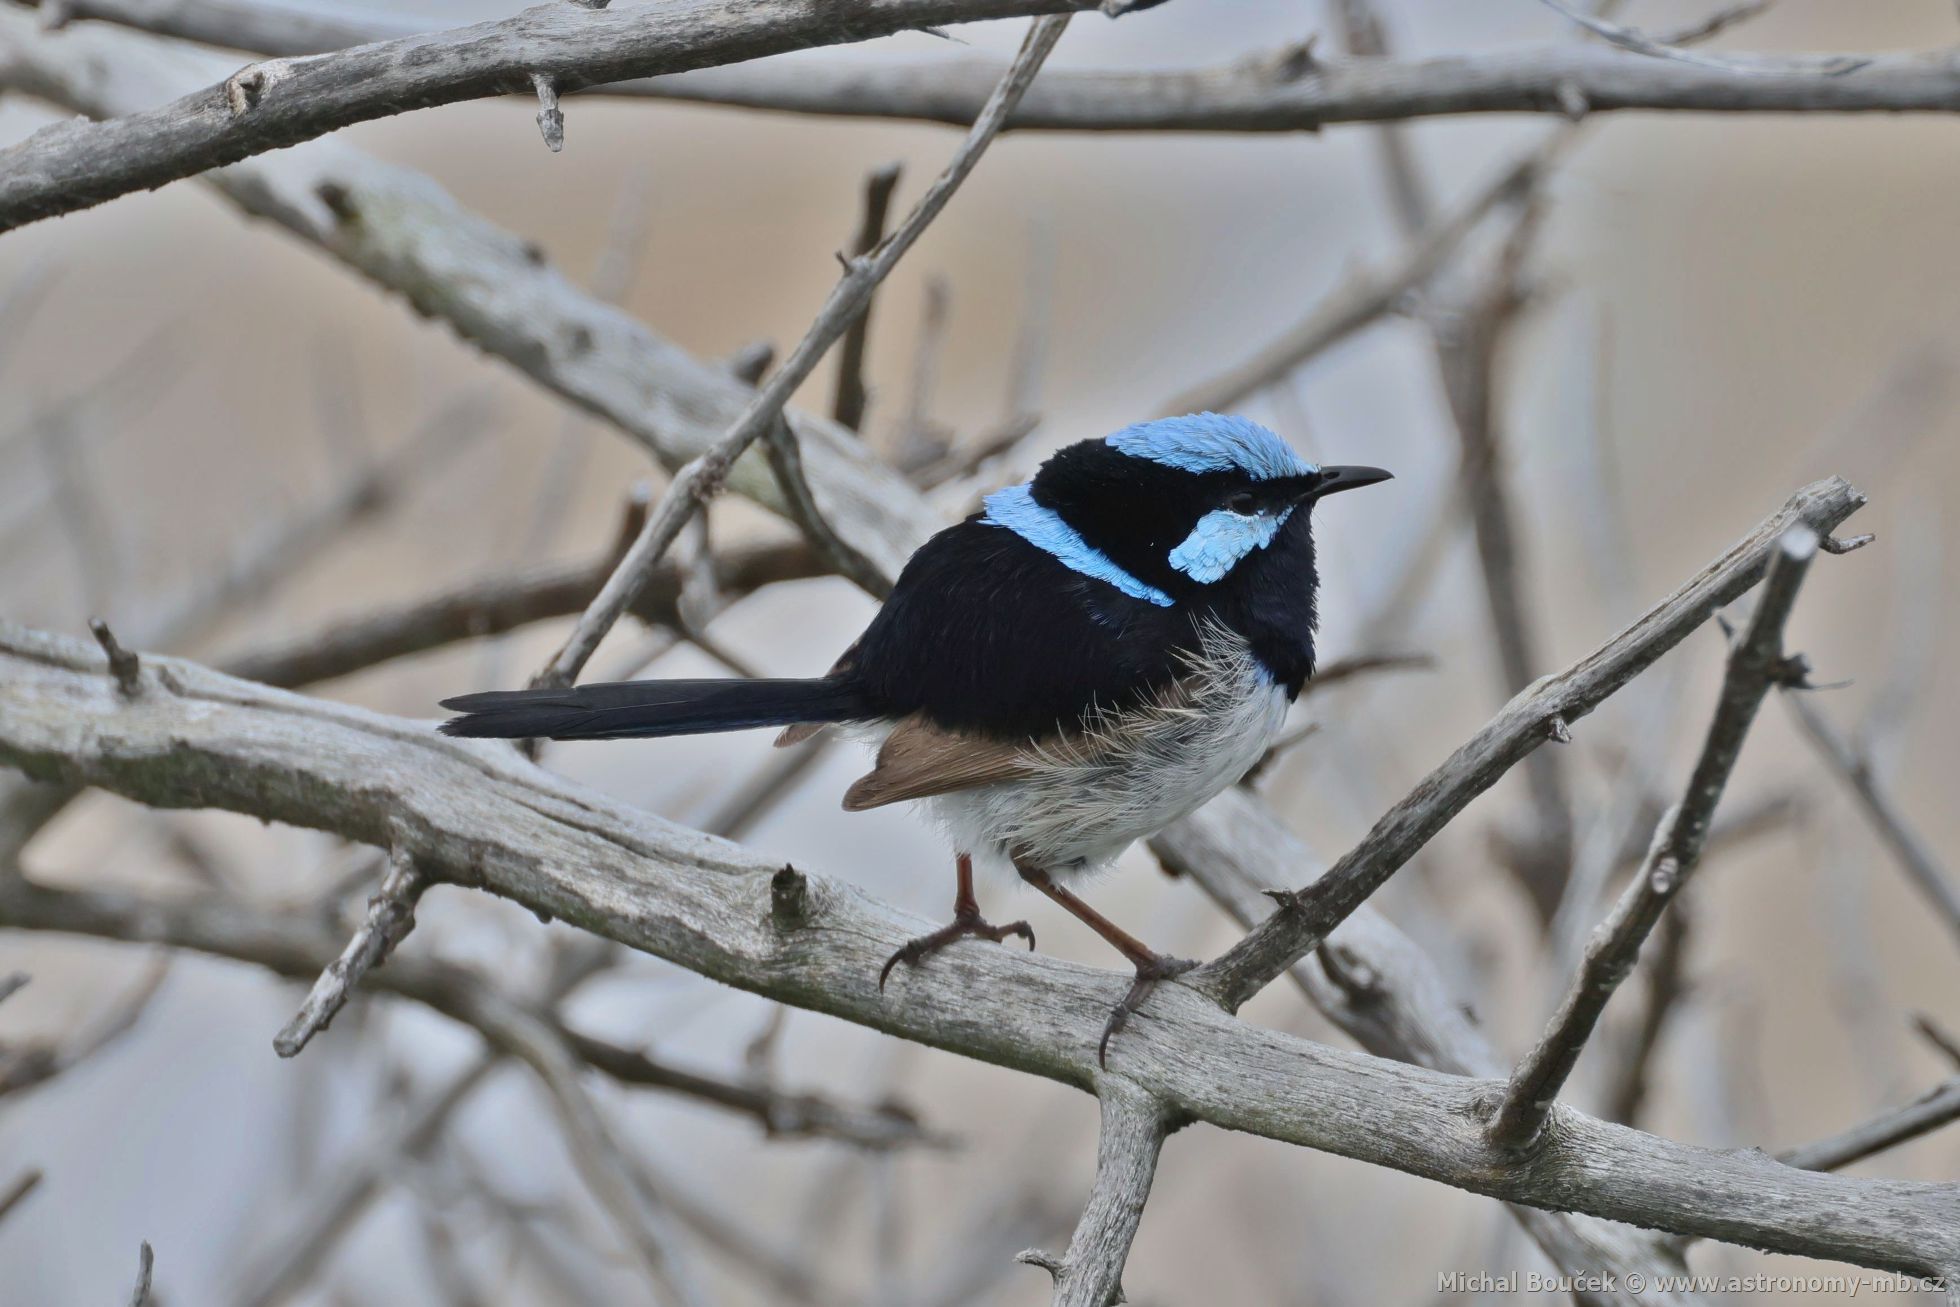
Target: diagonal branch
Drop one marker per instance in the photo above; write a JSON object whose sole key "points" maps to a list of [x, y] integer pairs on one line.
{"points": [[1363, 298], [704, 475], [1937, 1107], [482, 817], [279, 102], [1534, 716], [1755, 664], [1850, 765], [390, 916]]}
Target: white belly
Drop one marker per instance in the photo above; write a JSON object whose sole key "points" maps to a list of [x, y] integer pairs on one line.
{"points": [[1139, 772]]}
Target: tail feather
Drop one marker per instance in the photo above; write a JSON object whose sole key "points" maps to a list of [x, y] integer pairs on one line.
{"points": [[631, 709]]}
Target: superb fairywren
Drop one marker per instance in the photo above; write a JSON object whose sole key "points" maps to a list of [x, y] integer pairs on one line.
{"points": [[1095, 655]]}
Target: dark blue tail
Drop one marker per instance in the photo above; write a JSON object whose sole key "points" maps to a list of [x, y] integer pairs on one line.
{"points": [[628, 709]]}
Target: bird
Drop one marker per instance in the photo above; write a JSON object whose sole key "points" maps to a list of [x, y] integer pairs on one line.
{"points": [[1094, 654]]}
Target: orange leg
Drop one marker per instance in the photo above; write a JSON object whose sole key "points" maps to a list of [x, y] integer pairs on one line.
{"points": [[1151, 965], [967, 923]]}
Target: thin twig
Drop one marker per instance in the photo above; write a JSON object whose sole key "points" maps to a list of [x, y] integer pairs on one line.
{"points": [[1756, 663], [1362, 299], [145, 1265], [390, 916], [1922, 1116], [11, 1196], [848, 404], [704, 475], [1639, 42], [1908, 848]]}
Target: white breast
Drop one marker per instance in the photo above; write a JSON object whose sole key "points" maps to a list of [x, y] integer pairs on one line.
{"points": [[1133, 774]]}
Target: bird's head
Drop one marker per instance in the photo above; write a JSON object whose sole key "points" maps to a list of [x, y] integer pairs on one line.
{"points": [[1172, 509]]}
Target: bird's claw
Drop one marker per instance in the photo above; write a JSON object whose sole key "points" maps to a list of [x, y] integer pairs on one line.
{"points": [[1158, 968], [965, 926]]}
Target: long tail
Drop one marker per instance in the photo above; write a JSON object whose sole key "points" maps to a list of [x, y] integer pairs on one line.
{"points": [[627, 709]]}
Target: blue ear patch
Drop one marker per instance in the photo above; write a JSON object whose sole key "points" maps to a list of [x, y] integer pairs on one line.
{"points": [[1221, 539], [1212, 442], [1015, 508]]}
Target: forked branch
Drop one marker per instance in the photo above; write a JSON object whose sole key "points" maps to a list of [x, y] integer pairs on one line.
{"points": [[1756, 663]]}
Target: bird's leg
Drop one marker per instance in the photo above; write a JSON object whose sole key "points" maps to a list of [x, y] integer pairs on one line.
{"points": [[966, 922], [1151, 965]]}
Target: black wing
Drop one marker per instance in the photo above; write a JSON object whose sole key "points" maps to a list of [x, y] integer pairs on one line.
{"points": [[984, 633]]}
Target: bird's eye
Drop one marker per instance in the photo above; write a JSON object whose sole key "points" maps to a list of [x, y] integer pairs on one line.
{"points": [[1244, 503]]}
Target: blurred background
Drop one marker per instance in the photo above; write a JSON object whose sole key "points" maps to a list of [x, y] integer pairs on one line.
{"points": [[1722, 309]]}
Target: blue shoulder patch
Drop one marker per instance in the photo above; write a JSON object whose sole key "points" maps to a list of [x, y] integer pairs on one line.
{"points": [[1015, 508], [1221, 539], [1212, 442]]}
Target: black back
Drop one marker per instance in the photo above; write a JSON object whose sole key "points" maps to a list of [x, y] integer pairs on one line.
{"points": [[985, 632]]}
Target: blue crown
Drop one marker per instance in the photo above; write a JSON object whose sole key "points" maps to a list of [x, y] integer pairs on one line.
{"points": [[1212, 442]]}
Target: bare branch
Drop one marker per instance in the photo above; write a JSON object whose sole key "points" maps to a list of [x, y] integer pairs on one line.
{"points": [[847, 407], [279, 102], [123, 665], [1272, 92], [1922, 1116], [1520, 727], [1908, 848], [704, 475], [1756, 663], [145, 1264], [390, 916], [1134, 1127], [1936, 1035], [1363, 298], [482, 817], [1639, 42], [494, 605], [1385, 991], [300, 947], [11, 1196]]}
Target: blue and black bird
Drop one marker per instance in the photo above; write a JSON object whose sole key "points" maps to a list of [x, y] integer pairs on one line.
{"points": [[1094, 655]]}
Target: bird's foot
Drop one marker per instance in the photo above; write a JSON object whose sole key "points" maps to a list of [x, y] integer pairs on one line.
{"points": [[1158, 967], [964, 926]]}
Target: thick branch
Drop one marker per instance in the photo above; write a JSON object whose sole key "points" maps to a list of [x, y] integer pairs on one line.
{"points": [[1385, 991], [300, 947], [1525, 723], [481, 817], [1755, 664], [1288, 90], [279, 102]]}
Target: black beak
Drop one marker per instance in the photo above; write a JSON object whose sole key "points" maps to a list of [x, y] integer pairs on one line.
{"points": [[1333, 480]]}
